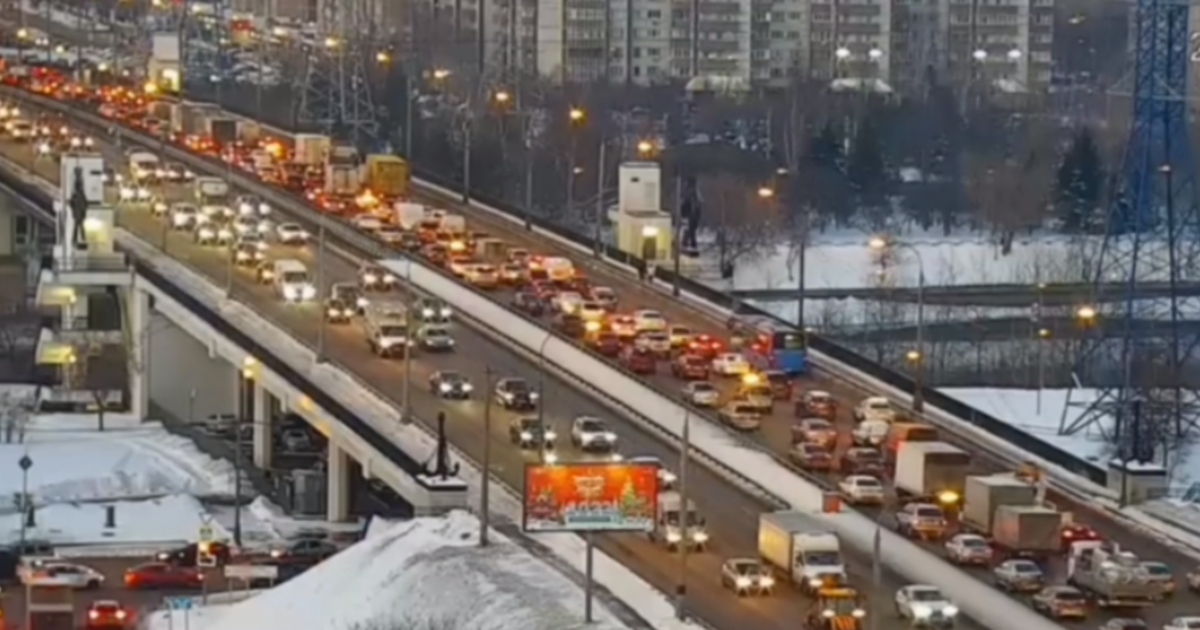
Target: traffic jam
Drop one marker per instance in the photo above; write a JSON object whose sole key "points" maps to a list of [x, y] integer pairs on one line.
{"points": [[752, 376]]}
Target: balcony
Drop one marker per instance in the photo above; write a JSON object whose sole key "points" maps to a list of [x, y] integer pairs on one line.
{"points": [[51, 350], [81, 268], [88, 332]]}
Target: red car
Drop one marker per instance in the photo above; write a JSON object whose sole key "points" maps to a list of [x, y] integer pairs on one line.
{"points": [[606, 343], [705, 346], [1076, 532], [162, 575], [106, 614], [690, 367], [639, 361]]}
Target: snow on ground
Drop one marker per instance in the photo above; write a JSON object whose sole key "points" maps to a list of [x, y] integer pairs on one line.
{"points": [[74, 461], [164, 521], [427, 572]]}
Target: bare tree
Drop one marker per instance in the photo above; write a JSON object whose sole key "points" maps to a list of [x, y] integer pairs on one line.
{"points": [[745, 225]]}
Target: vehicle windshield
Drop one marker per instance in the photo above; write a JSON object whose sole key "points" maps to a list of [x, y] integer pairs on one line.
{"points": [[347, 293], [650, 315], [703, 387], [758, 390], [927, 595], [819, 398], [591, 426], [879, 405], [841, 606], [452, 377], [818, 425], [929, 512], [867, 455], [1075, 596], [389, 229], [867, 482], [1157, 569], [748, 568], [821, 558], [289, 227], [393, 331], [436, 332], [486, 269], [975, 543], [516, 387], [295, 277], [673, 518], [1026, 568], [531, 425]]}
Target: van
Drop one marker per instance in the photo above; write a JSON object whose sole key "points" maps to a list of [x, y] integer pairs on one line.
{"points": [[901, 432], [668, 524], [292, 280]]}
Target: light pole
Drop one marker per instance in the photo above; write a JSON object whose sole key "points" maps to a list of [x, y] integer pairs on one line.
{"points": [[406, 385], [26, 462], [320, 281], [685, 451], [917, 355], [541, 391], [575, 119], [484, 488]]}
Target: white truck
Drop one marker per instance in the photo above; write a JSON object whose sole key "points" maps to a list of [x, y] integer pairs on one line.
{"points": [[454, 224], [342, 179], [311, 149], [795, 544], [211, 190], [1113, 577], [668, 527], [144, 167], [409, 215], [986, 493], [933, 471]]}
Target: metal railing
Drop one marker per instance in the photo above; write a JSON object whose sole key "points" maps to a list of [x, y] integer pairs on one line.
{"points": [[82, 261]]}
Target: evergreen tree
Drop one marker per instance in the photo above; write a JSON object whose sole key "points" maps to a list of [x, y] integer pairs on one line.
{"points": [[820, 185], [1080, 180]]}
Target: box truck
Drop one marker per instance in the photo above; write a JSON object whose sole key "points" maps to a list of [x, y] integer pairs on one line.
{"points": [[931, 470], [795, 544]]}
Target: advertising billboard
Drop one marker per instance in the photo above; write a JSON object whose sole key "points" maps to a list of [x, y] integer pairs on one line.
{"points": [[602, 497]]}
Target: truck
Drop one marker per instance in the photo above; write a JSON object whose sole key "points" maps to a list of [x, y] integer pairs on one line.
{"points": [[195, 117], [223, 130], [796, 545], [984, 494], [386, 175], [311, 149], [248, 131], [669, 527], [341, 179], [211, 190], [1026, 531], [931, 470], [1111, 576], [342, 154], [409, 215], [454, 224]]}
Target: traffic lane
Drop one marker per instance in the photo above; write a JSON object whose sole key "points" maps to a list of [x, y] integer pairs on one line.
{"points": [[734, 532], [139, 602]]}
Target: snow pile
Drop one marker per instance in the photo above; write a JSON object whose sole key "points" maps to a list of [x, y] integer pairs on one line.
{"points": [[1042, 419], [74, 461], [162, 521], [427, 572]]}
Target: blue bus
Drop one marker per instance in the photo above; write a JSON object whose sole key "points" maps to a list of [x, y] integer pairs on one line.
{"points": [[771, 345]]}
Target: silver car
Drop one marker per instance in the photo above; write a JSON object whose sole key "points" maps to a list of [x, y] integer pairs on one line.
{"points": [[1019, 576]]}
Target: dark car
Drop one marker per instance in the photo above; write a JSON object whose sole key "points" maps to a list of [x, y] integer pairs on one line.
{"points": [[186, 556], [305, 550], [530, 433], [515, 394], [450, 385], [432, 311], [529, 303], [338, 311]]}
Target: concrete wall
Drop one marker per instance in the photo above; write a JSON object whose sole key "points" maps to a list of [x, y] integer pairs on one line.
{"points": [[183, 380]]}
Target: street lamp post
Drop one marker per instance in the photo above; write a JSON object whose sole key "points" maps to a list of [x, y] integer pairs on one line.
{"points": [[26, 462], [916, 356], [541, 392]]}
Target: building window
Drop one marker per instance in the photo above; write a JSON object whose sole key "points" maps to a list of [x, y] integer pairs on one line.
{"points": [[21, 235]]}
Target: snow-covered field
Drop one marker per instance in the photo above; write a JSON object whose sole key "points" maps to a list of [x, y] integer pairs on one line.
{"points": [[424, 573]]}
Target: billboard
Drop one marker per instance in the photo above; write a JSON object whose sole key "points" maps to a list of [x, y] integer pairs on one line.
{"points": [[602, 497]]}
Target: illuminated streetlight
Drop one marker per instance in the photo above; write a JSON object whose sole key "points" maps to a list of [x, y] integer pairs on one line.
{"points": [[913, 356], [502, 97], [383, 57], [979, 55], [332, 42], [22, 34], [576, 115], [765, 192], [645, 147], [842, 53], [1043, 332], [1086, 313], [874, 54], [440, 73], [578, 170], [1014, 54], [877, 242]]}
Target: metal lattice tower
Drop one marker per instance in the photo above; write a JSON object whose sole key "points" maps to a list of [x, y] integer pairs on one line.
{"points": [[336, 93], [202, 34], [1153, 235]]}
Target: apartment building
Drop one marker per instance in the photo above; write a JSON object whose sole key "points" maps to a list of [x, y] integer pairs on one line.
{"points": [[1003, 42]]}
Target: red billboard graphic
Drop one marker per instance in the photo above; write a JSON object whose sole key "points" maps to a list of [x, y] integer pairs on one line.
{"points": [[616, 497]]}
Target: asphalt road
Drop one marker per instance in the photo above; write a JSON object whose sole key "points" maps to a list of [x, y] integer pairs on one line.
{"points": [[731, 515], [137, 602]]}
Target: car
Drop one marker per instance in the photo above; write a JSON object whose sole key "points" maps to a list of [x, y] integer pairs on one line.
{"points": [[529, 303], [1124, 623], [811, 457], [924, 521], [704, 345], [62, 574], [624, 326], [349, 294], [435, 338], [338, 311], [432, 311], [925, 605], [291, 234], [251, 205], [862, 460], [591, 434], [1160, 573], [107, 614], [249, 224], [515, 394], [701, 394], [185, 556], [248, 255], [156, 575], [875, 408], [183, 216], [592, 311], [566, 302], [452, 385], [570, 325], [531, 433], [738, 415], [679, 335], [639, 360], [306, 549], [513, 275], [212, 233], [1064, 602], [870, 433], [862, 490], [367, 222], [1019, 576], [656, 341], [756, 393], [666, 478], [816, 403], [376, 278], [780, 384], [390, 234], [746, 576], [969, 549], [1075, 532], [605, 296], [731, 364], [690, 367], [605, 343], [1183, 623], [817, 431], [1193, 580], [647, 320]]}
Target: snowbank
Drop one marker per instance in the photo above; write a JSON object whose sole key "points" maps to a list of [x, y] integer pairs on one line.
{"points": [[166, 520], [425, 571]]}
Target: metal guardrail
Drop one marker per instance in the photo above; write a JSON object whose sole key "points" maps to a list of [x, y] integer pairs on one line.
{"points": [[82, 261]]}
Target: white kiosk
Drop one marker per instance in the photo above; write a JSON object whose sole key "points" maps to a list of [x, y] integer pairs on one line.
{"points": [[642, 228]]}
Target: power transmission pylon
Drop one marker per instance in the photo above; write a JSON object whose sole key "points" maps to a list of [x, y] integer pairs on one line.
{"points": [[336, 92], [1153, 235], [202, 37]]}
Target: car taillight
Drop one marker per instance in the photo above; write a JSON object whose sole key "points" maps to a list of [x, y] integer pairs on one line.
{"points": [[120, 614], [92, 614]]}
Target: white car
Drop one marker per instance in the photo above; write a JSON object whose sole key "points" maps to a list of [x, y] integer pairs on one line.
{"points": [[589, 433], [1183, 623], [367, 222], [701, 394], [730, 364], [969, 549], [249, 204], [870, 433], [644, 320], [925, 605], [390, 234], [860, 489], [666, 478], [875, 408], [291, 234], [566, 302], [249, 224], [66, 574]]}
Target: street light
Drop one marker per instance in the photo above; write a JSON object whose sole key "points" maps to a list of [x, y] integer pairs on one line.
{"points": [[383, 57], [916, 356], [645, 148], [1086, 314], [842, 53], [440, 74], [331, 42], [502, 97], [765, 192], [576, 115]]}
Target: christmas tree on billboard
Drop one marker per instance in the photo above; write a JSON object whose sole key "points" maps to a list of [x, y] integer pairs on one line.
{"points": [[632, 504]]}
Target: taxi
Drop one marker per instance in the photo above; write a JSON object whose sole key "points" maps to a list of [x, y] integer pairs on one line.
{"points": [[680, 336], [624, 326]]}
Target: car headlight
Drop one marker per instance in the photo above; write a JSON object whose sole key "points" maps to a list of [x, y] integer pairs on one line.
{"points": [[466, 386], [44, 148], [361, 302], [700, 537], [550, 457], [950, 611], [921, 612], [616, 457], [389, 278], [333, 312], [858, 613], [264, 208], [743, 582], [291, 292], [533, 395], [445, 387], [126, 193], [550, 435], [308, 292], [264, 227], [674, 537], [206, 233], [609, 436], [225, 233], [815, 582], [526, 435], [370, 278], [668, 477], [427, 312], [245, 208], [446, 312], [143, 193], [766, 581]]}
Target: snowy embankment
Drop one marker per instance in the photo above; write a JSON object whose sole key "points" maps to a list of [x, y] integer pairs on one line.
{"points": [[423, 573]]}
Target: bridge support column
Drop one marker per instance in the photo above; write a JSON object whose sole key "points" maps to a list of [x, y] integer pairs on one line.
{"points": [[338, 486], [137, 324], [263, 438]]}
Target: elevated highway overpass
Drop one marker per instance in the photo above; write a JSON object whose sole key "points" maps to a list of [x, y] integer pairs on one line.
{"points": [[735, 524]]}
